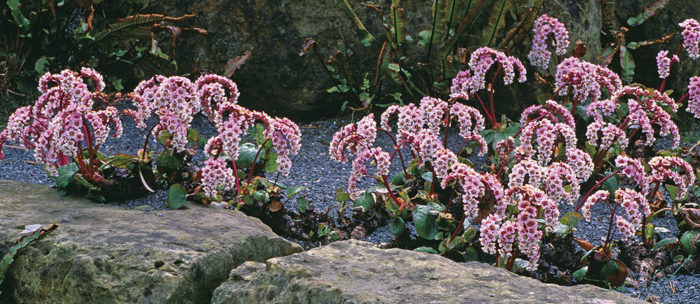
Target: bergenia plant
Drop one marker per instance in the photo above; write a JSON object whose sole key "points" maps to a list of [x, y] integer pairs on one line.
{"points": [[66, 126]]}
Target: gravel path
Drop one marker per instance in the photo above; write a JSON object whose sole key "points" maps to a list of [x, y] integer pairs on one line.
{"points": [[313, 168]]}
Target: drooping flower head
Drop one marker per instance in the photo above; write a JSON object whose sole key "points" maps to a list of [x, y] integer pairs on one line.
{"points": [[63, 119], [585, 79], [522, 227], [672, 168], [544, 27], [608, 133], [359, 167], [551, 110], [481, 61], [213, 90], [691, 37], [694, 96], [663, 63], [353, 138], [474, 186], [546, 135]]}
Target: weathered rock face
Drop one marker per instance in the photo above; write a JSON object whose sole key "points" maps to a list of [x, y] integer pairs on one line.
{"points": [[278, 80], [106, 254], [357, 272]]}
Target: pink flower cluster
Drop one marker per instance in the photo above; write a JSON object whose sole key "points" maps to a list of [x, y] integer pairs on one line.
{"points": [[694, 96], [545, 134], [610, 135], [663, 63], [634, 170], [474, 185], [498, 234], [358, 139], [551, 110], [216, 177], [62, 120], [480, 63], [213, 91], [585, 79], [544, 27], [631, 201], [672, 168], [553, 179], [691, 37]]}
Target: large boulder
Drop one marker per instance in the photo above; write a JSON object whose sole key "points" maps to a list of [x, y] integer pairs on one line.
{"points": [[358, 272], [107, 254]]}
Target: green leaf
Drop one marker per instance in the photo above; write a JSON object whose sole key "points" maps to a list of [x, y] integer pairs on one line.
{"points": [[664, 243], [648, 12], [470, 254], [246, 154], [294, 190], [426, 249], [627, 64], [164, 136], [469, 234], [365, 201], [365, 37], [177, 196], [427, 176], [65, 175], [261, 196], [424, 219], [611, 185], [609, 268], [271, 164], [580, 275], [496, 22], [192, 135], [168, 161], [673, 191], [341, 195], [571, 219], [120, 161], [41, 65], [85, 183], [302, 204], [398, 226], [689, 241], [397, 180]]}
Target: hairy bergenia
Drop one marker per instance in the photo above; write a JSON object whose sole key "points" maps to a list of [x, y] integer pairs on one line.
{"points": [[544, 27], [499, 234], [63, 121], [608, 134], [663, 63], [480, 62], [474, 186], [213, 90], [694, 96], [216, 177], [691, 37], [645, 112], [554, 179], [585, 79], [546, 135], [672, 168], [551, 110], [634, 204]]}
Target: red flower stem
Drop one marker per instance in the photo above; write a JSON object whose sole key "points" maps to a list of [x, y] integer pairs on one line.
{"points": [[252, 167], [607, 238], [491, 119], [684, 97], [663, 83], [391, 193], [397, 148], [238, 183], [594, 187], [459, 227], [145, 142], [511, 260]]}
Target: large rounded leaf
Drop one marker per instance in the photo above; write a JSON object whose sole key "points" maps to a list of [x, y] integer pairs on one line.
{"points": [[177, 196], [689, 241], [424, 218], [246, 154]]}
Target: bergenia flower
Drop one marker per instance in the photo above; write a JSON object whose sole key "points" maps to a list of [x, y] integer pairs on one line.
{"points": [[694, 96], [663, 63], [691, 37], [585, 79], [672, 168], [544, 27], [480, 62]]}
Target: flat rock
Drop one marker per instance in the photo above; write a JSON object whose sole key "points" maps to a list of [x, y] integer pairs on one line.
{"points": [[358, 272], [108, 254]]}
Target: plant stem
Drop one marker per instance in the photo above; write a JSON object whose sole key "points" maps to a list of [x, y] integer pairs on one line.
{"points": [[459, 227], [607, 238], [252, 167], [145, 142], [594, 187], [397, 148]]}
